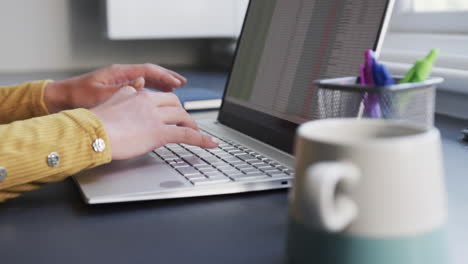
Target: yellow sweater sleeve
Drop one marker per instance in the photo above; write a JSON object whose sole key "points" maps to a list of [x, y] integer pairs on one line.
{"points": [[22, 101], [25, 145]]}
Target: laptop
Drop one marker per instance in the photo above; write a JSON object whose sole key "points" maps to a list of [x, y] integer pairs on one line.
{"points": [[285, 45]]}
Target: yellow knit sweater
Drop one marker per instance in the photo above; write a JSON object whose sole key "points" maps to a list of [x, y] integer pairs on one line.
{"points": [[28, 134]]}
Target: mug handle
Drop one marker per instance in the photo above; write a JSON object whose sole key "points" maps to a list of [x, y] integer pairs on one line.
{"points": [[329, 185]]}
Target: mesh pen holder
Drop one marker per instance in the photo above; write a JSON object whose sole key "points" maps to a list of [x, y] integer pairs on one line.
{"points": [[343, 97]]}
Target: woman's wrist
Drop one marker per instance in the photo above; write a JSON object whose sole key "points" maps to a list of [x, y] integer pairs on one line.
{"points": [[56, 96]]}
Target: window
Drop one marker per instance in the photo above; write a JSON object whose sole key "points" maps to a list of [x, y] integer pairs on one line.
{"points": [[435, 16], [439, 5], [419, 25]]}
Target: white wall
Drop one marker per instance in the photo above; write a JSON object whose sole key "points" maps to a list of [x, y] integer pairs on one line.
{"points": [[136, 19], [67, 35]]}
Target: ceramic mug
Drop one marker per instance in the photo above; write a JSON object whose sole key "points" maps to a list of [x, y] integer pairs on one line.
{"points": [[365, 192]]}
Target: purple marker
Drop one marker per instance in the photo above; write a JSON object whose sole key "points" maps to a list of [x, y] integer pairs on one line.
{"points": [[371, 100]]}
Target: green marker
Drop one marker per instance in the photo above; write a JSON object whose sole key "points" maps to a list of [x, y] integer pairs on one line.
{"points": [[421, 69], [418, 73]]}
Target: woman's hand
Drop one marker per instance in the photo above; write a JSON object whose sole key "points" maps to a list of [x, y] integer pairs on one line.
{"points": [[91, 89], [138, 122]]}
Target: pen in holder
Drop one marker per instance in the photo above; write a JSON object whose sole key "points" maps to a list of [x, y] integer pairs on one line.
{"points": [[345, 97]]}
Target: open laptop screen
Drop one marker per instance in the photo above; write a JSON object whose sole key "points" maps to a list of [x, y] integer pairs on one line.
{"points": [[287, 44]]}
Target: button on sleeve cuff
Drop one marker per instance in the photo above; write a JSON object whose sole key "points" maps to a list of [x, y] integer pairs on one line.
{"points": [[98, 138], [51, 147]]}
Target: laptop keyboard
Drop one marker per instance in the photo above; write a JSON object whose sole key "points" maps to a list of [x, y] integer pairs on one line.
{"points": [[230, 162]]}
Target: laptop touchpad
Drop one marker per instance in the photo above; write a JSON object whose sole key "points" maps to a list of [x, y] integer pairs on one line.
{"points": [[147, 173]]}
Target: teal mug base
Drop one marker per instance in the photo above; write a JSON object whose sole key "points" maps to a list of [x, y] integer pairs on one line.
{"points": [[306, 246]]}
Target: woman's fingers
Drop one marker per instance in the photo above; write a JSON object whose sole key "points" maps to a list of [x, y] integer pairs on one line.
{"points": [[138, 83], [161, 99], [178, 76], [159, 85], [137, 122], [185, 135], [122, 94], [156, 76], [176, 116], [169, 108]]}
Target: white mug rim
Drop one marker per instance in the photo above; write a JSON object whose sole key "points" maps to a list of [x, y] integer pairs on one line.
{"points": [[306, 131]]}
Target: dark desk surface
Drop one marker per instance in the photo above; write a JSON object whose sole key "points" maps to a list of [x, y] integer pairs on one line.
{"points": [[53, 225]]}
